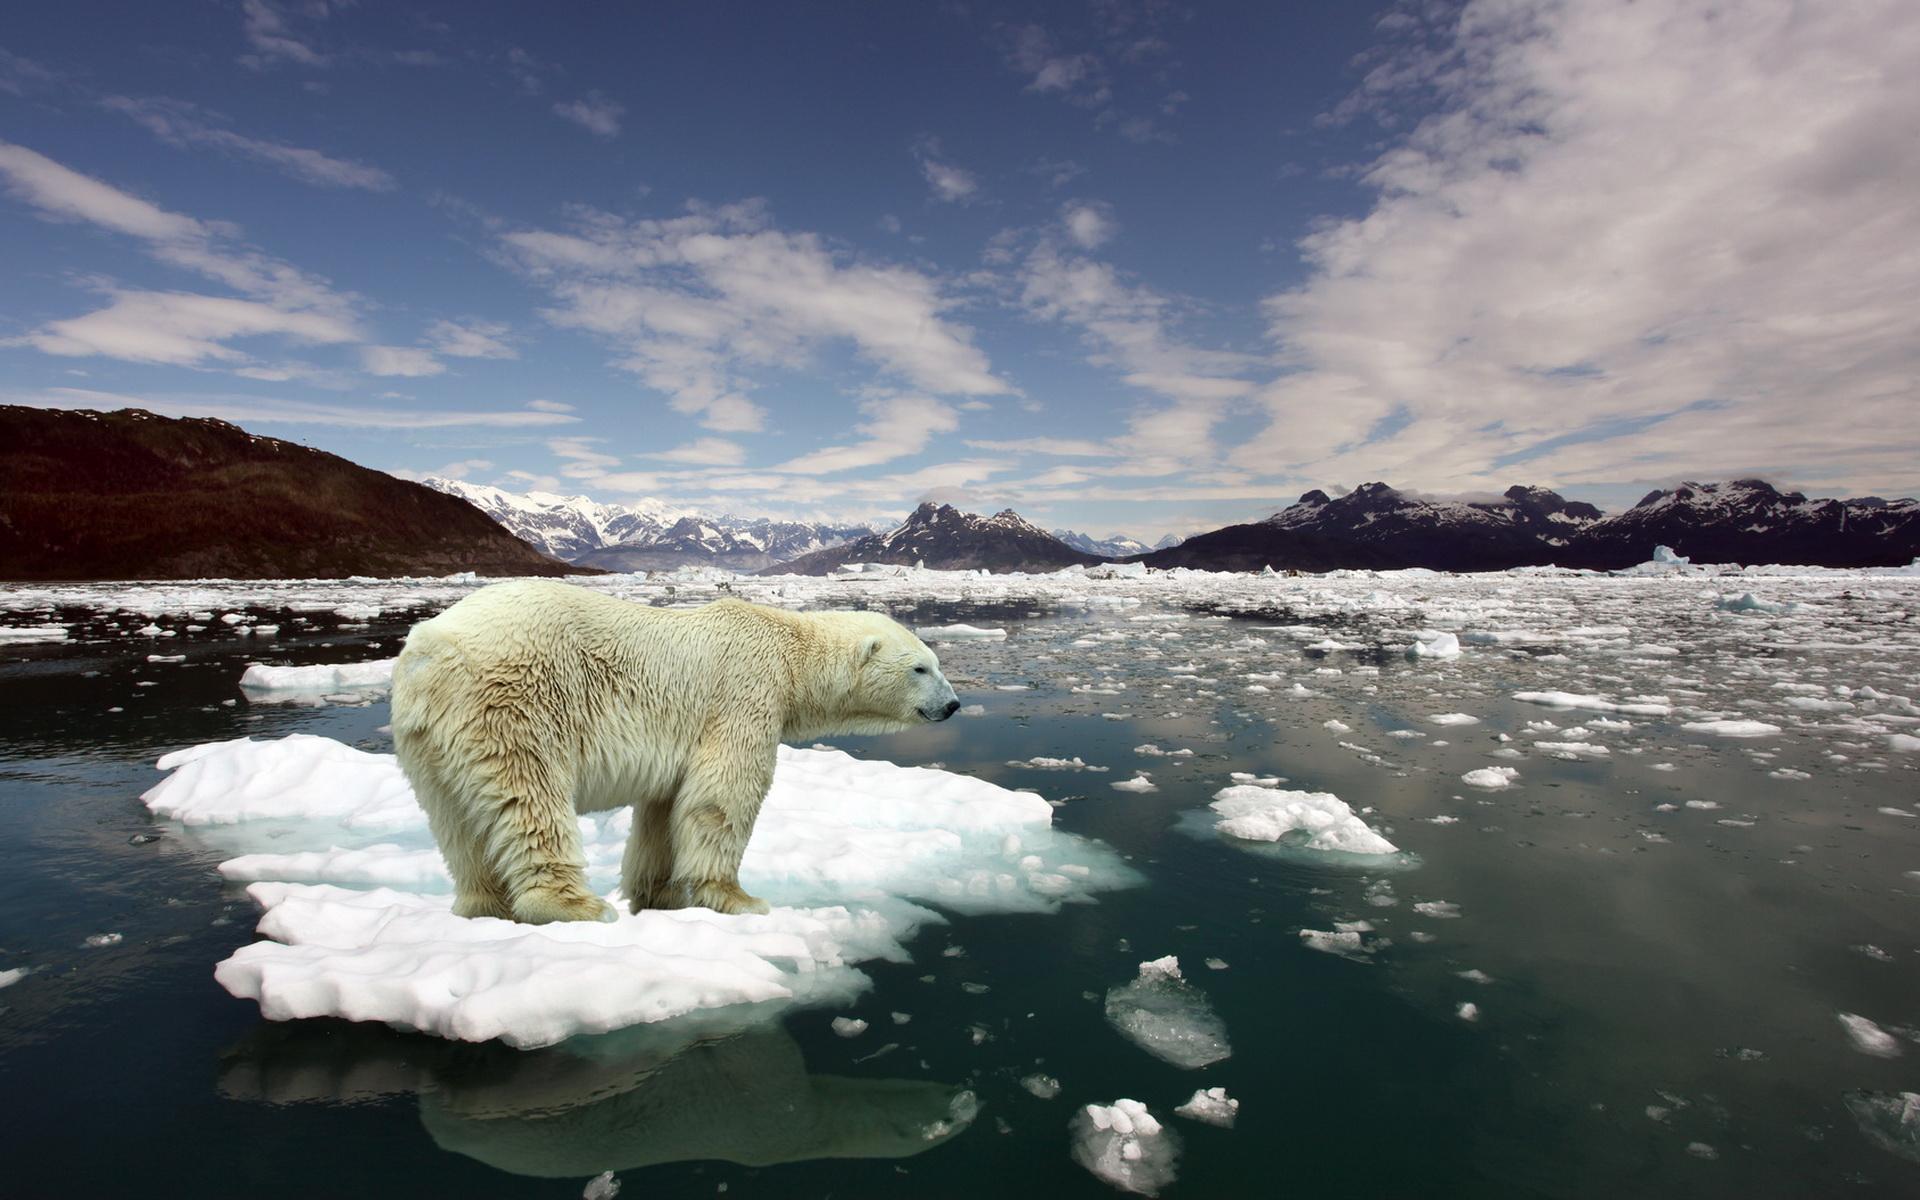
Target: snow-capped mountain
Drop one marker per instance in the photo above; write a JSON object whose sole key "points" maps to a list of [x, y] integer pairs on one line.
{"points": [[1114, 545], [565, 527], [944, 538], [736, 543], [1379, 527], [1168, 541], [647, 535], [1751, 521]]}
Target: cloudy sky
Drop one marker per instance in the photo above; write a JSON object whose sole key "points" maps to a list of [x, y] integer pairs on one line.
{"points": [[1122, 265]]}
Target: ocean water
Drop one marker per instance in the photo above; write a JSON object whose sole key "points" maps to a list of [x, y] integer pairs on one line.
{"points": [[1660, 928]]}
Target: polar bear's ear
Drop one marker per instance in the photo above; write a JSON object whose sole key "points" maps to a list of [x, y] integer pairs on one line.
{"points": [[869, 646]]}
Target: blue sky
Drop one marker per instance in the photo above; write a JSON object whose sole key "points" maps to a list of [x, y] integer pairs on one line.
{"points": [[1123, 266]]}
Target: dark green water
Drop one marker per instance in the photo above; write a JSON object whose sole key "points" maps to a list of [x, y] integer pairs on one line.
{"points": [[1698, 976]]}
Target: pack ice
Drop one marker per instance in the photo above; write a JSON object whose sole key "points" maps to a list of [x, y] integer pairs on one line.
{"points": [[357, 902]]}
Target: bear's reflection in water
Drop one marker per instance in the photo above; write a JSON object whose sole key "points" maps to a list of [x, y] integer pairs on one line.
{"points": [[634, 1099]]}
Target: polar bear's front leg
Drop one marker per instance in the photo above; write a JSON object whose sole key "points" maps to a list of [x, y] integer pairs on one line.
{"points": [[711, 821]]}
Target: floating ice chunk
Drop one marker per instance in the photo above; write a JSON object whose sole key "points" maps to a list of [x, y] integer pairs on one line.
{"points": [[1139, 783], [1467, 1011], [1647, 708], [10, 977], [1891, 1120], [843, 846], [1046, 1087], [1168, 1017], [1573, 751], [1433, 643], [849, 1027], [1437, 908], [1323, 820], [324, 678], [1346, 943], [603, 1186], [1211, 1105], [960, 633], [97, 940], [1905, 743], [1454, 719], [1490, 777], [1748, 603], [1123, 1145], [1042, 763], [1152, 751], [28, 634], [1869, 1038], [1664, 556], [1732, 728], [1334, 726], [1475, 975]]}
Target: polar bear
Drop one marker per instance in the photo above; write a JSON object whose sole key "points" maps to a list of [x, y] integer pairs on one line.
{"points": [[530, 701]]}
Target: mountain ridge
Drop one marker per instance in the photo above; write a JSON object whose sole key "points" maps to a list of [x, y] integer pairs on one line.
{"points": [[127, 494]]}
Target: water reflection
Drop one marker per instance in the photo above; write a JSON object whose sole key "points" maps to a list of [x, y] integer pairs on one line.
{"points": [[633, 1099]]}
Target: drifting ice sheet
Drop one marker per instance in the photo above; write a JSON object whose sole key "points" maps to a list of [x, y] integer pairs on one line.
{"points": [[842, 848], [326, 678], [1168, 1017], [1122, 1144], [1261, 814]]}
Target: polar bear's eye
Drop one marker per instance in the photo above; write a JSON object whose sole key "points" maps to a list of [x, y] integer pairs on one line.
{"points": [[919, 670]]}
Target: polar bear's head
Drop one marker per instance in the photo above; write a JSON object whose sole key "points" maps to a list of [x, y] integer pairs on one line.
{"points": [[894, 680]]}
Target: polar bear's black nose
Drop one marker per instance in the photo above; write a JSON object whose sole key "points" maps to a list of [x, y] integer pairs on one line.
{"points": [[953, 706]]}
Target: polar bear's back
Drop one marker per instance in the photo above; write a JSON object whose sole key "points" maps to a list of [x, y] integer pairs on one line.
{"points": [[581, 676]]}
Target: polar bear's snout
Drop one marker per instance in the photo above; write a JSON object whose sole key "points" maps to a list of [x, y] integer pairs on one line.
{"points": [[944, 704]]}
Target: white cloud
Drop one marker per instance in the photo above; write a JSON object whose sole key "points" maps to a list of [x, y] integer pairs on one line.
{"points": [[470, 339], [550, 406], [180, 328], [68, 195], [1089, 225], [950, 184], [1681, 232], [407, 361], [582, 460], [705, 452], [180, 124], [896, 426], [595, 113], [249, 410], [174, 327], [270, 32], [1061, 447], [1132, 328], [701, 307]]}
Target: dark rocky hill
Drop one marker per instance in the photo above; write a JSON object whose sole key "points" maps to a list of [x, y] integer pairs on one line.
{"points": [[1750, 521], [1377, 527], [944, 538], [1745, 521], [131, 495]]}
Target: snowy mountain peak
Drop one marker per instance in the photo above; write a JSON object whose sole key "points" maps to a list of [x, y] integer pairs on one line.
{"points": [[943, 537]]}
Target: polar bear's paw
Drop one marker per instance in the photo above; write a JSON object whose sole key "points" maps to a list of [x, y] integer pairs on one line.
{"points": [[541, 906], [726, 898]]}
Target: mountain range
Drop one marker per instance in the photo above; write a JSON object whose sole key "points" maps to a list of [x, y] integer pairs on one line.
{"points": [[131, 495], [647, 535], [941, 536], [1742, 521]]}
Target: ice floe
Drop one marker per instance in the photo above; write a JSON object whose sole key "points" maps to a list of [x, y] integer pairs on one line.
{"points": [[1490, 777], [960, 633], [1211, 1105], [1311, 820], [326, 678], [1124, 1145], [1169, 1018], [358, 908]]}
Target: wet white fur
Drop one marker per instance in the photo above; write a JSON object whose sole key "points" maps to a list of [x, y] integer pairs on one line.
{"points": [[530, 701]]}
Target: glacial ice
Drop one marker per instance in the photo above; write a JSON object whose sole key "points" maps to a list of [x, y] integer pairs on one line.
{"points": [[1490, 777], [1263, 814], [1169, 1018], [357, 908], [1891, 1120], [1211, 1105], [1123, 1145], [341, 677], [1869, 1038], [959, 633]]}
